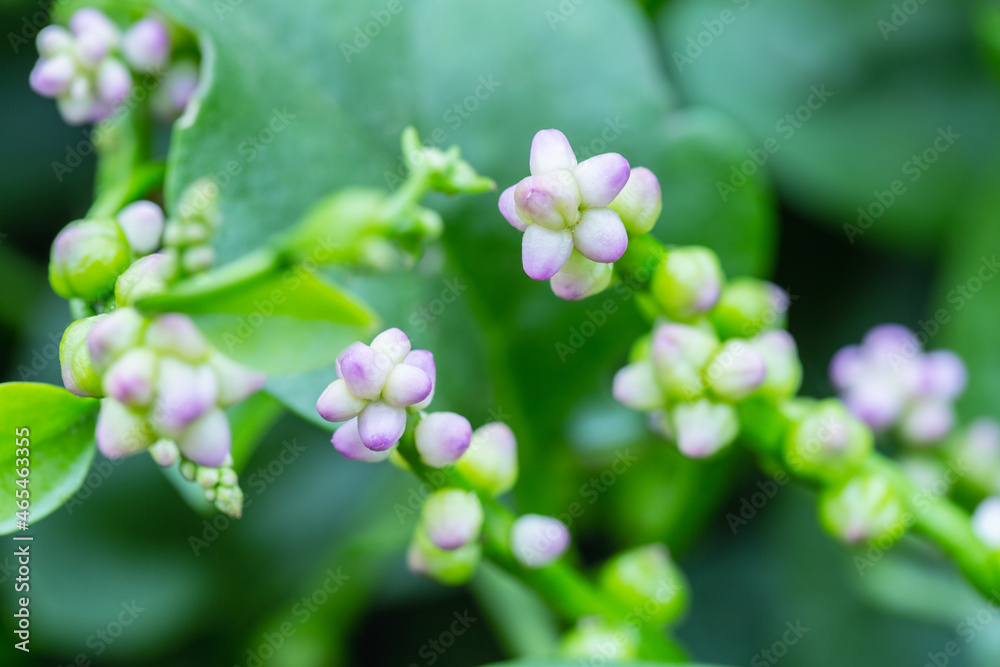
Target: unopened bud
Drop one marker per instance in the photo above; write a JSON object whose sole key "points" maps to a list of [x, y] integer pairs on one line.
{"points": [[142, 223], [866, 507], [176, 334], [130, 380], [452, 568], [647, 578], [680, 352], [537, 541], [146, 45], [207, 440], [783, 370], [184, 393], [87, 258], [927, 421], [702, 428], [452, 518], [736, 370], [236, 381], [78, 373], [113, 334], [165, 453], [640, 202], [687, 283], [442, 438], [347, 441], [748, 306], [580, 278], [490, 463], [121, 432], [827, 442], [635, 386]]}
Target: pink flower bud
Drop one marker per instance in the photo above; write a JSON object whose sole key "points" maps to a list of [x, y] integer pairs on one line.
{"points": [[53, 39], [580, 278], [364, 369], [184, 393], [130, 380], [424, 360], [51, 77], [146, 45], [736, 371], [114, 82], [121, 432], [236, 381], [393, 343], [537, 541], [490, 462], [452, 518], [381, 425], [112, 334], [177, 334], [338, 404], [207, 440], [347, 441], [442, 438], [142, 222]]}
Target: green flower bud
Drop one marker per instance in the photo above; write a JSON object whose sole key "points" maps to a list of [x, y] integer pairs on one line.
{"points": [[594, 638], [640, 202], [647, 580], [452, 568], [87, 258], [199, 203], [827, 442], [748, 306], [867, 507], [783, 374], [687, 283], [78, 373], [490, 462], [147, 277]]}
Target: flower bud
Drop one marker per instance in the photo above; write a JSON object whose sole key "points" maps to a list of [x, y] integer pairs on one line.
{"points": [[635, 386], [877, 400], [142, 223], [736, 370], [78, 373], [51, 77], [207, 477], [338, 404], [537, 541], [942, 373], [113, 334], [364, 370], [228, 500], [53, 39], [580, 278], [146, 277], [452, 518], [640, 202], [827, 442], [687, 283], [176, 334], [347, 441], [783, 370], [679, 354], [393, 343], [236, 381], [424, 360], [748, 306], [87, 257], [176, 90], [866, 507], [986, 523], [977, 451], [551, 200], [114, 83], [187, 469], [490, 463], [452, 568], [646, 578], [703, 428], [184, 393], [207, 440], [131, 378], [199, 203], [406, 385], [926, 422], [121, 432], [165, 453], [198, 259], [146, 45], [442, 438], [381, 425]]}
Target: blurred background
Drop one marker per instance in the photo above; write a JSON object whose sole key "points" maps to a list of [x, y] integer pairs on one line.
{"points": [[855, 95]]}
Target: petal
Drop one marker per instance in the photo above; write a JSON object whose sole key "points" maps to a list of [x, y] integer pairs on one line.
{"points": [[347, 441], [337, 404], [509, 211], [550, 150], [381, 425], [393, 343], [406, 385], [544, 251], [601, 178], [580, 278], [120, 432], [364, 370], [635, 387], [600, 236], [208, 440], [551, 200], [424, 360]]}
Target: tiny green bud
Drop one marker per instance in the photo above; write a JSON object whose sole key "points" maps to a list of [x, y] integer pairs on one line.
{"points": [[188, 470], [452, 568], [452, 518], [78, 373], [146, 277], [207, 477], [229, 500], [640, 202], [646, 578], [593, 637], [827, 442], [490, 462], [783, 375], [748, 306], [867, 507], [87, 258], [687, 283]]}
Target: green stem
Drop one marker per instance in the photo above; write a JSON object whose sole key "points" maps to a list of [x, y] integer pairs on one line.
{"points": [[562, 587]]}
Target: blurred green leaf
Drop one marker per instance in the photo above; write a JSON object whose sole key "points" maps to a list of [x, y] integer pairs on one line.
{"points": [[60, 444], [575, 663]]}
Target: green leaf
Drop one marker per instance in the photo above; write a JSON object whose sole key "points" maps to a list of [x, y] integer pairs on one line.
{"points": [[61, 434], [575, 663]]}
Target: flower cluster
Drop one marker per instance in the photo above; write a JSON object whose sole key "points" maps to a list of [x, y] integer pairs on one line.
{"points": [[689, 379], [377, 387], [163, 388], [576, 217], [891, 383], [89, 68]]}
